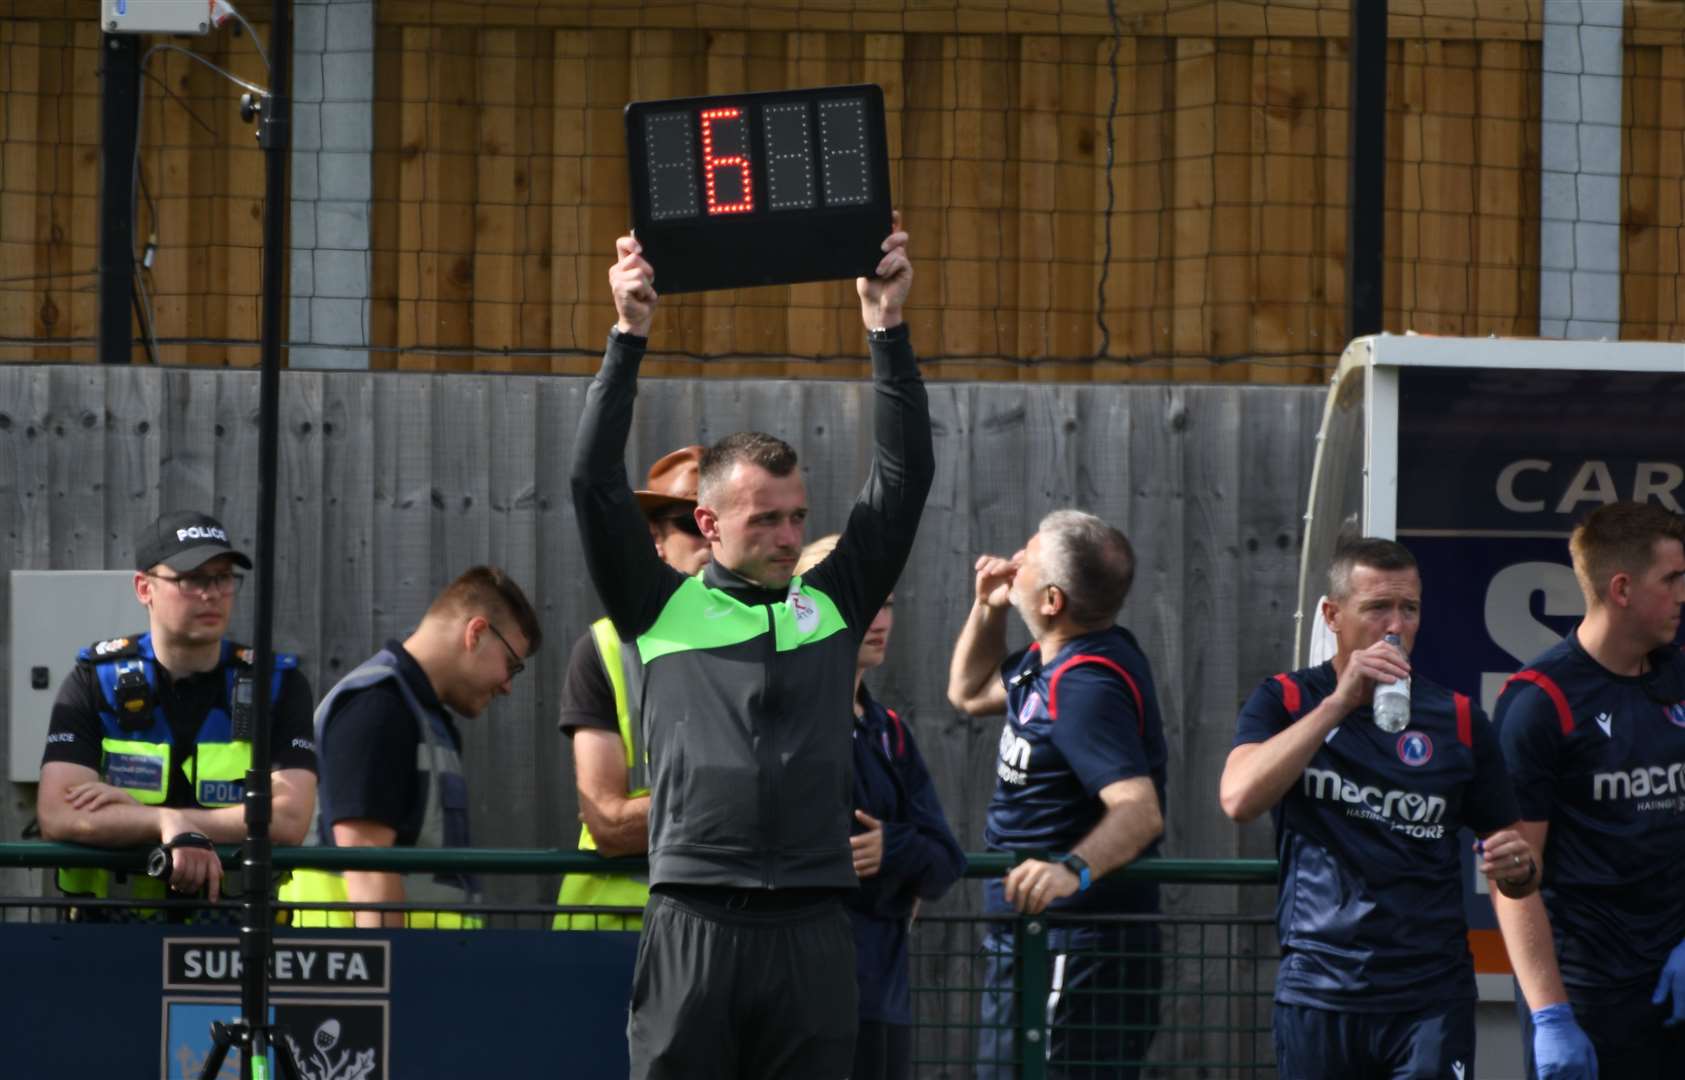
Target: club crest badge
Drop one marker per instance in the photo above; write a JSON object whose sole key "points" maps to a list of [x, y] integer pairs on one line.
{"points": [[1415, 749], [806, 612]]}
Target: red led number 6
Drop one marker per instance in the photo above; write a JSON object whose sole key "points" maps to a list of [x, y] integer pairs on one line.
{"points": [[712, 163]]}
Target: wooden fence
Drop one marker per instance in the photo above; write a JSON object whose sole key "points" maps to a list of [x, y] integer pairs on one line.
{"points": [[392, 483], [500, 182]]}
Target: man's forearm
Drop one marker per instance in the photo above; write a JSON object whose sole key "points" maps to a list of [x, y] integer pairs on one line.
{"points": [[1123, 833], [620, 826], [978, 654], [373, 887], [117, 825], [1532, 952], [618, 553], [905, 456], [885, 520], [1258, 775]]}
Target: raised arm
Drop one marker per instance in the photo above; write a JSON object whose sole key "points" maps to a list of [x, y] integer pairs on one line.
{"points": [[881, 528], [1258, 774], [974, 685], [623, 565]]}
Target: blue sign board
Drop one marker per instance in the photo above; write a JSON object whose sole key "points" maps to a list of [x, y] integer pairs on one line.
{"points": [[1495, 467], [138, 1001]]}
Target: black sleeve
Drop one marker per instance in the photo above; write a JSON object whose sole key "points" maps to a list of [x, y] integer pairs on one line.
{"points": [[861, 573], [368, 759], [292, 730], [587, 695], [632, 581], [74, 732]]}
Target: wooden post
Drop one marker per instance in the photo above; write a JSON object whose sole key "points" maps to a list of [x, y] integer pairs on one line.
{"points": [[119, 117], [1366, 178]]}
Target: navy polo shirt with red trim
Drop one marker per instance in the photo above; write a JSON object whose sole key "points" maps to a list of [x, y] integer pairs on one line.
{"points": [[1370, 910], [1076, 723], [1600, 757]]}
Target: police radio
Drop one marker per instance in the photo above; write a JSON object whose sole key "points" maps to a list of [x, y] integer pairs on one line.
{"points": [[134, 698], [244, 718]]}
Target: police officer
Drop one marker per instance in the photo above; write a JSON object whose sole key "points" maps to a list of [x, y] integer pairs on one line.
{"points": [[392, 755], [147, 744], [597, 713]]}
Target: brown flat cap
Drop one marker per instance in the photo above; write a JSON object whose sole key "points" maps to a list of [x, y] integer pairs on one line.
{"points": [[672, 481]]}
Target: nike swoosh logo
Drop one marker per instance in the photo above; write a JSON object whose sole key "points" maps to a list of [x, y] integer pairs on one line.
{"points": [[716, 612]]}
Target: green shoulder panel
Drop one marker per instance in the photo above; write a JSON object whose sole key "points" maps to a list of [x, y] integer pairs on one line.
{"points": [[697, 617]]}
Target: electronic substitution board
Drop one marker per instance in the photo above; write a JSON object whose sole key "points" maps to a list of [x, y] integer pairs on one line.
{"points": [[759, 189]]}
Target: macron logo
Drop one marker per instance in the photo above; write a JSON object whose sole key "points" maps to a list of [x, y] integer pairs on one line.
{"points": [[1604, 720], [1457, 1069], [200, 532]]}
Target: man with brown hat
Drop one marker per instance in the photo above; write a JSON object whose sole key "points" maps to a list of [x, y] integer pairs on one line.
{"points": [[599, 713]]}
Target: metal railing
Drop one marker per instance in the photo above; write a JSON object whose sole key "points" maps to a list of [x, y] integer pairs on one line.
{"points": [[1179, 994]]}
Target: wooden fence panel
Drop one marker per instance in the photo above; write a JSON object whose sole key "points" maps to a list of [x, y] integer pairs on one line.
{"points": [[391, 484], [500, 183]]}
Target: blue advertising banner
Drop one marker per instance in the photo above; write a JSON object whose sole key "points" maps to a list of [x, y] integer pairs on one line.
{"points": [[1494, 469], [137, 1002]]}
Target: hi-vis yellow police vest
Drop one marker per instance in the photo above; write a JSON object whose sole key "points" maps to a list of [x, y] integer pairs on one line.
{"points": [[610, 890], [138, 752]]}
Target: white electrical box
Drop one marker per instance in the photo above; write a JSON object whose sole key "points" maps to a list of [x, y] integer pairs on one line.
{"points": [[54, 614], [155, 16]]}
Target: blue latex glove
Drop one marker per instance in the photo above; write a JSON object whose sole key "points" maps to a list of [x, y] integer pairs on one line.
{"points": [[1561, 1050], [1672, 982]]}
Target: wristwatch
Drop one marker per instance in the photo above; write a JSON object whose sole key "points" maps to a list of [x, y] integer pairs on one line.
{"points": [[1077, 865]]}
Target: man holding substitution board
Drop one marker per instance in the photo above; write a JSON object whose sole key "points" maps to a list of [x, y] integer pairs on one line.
{"points": [[746, 966]]}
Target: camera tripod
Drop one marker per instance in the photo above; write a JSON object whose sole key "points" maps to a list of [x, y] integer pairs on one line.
{"points": [[254, 1042]]}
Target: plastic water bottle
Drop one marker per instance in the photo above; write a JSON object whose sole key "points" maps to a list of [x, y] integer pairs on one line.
{"points": [[1392, 700]]}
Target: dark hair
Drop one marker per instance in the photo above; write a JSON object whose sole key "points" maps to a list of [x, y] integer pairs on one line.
{"points": [[1619, 538], [757, 448], [488, 591], [1092, 563], [1351, 552]]}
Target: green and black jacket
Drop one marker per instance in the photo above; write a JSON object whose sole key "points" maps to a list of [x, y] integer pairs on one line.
{"points": [[746, 697]]}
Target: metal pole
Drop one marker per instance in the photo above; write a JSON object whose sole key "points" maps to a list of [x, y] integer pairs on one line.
{"points": [[256, 934], [119, 115], [1366, 184], [1033, 985]]}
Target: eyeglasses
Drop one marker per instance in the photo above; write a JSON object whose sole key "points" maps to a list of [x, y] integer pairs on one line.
{"points": [[223, 584], [516, 666], [685, 523]]}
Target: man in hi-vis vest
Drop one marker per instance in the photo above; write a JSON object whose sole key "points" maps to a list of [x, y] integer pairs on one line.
{"points": [[391, 755], [146, 744], [599, 715]]}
